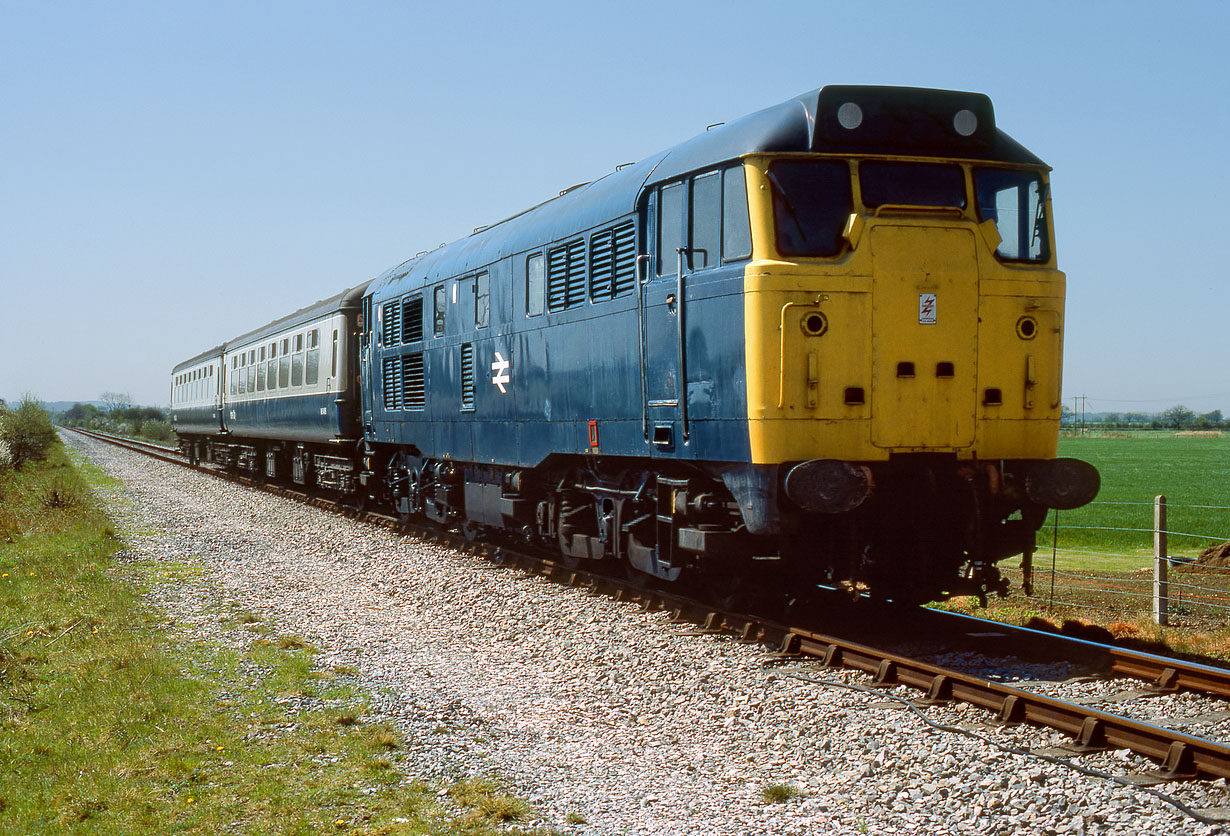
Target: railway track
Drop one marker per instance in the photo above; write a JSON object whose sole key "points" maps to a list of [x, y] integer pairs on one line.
{"points": [[1178, 755]]}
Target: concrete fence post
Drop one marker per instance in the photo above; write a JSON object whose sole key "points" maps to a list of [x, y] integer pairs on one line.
{"points": [[1161, 565]]}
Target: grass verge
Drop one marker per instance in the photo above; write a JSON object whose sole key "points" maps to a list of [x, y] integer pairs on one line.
{"points": [[114, 720]]}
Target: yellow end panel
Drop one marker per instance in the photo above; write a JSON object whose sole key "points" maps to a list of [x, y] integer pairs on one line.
{"points": [[916, 337], [807, 343], [925, 356], [1005, 439], [777, 440]]}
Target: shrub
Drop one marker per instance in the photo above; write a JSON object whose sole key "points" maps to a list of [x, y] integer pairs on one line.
{"points": [[27, 432], [159, 430]]}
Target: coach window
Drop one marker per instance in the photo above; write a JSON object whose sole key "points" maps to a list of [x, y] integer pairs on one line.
{"points": [[736, 226], [670, 228], [333, 365], [234, 366], [271, 370], [252, 370], [440, 306], [482, 300], [243, 373], [313, 356], [535, 284], [296, 362], [284, 365], [260, 372], [706, 219]]}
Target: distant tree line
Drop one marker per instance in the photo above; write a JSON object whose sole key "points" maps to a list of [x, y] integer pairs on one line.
{"points": [[1177, 417], [118, 415]]}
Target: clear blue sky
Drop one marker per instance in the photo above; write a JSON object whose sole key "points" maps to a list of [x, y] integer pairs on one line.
{"points": [[175, 174]]}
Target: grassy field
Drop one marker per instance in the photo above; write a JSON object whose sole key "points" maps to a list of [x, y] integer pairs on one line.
{"points": [[1191, 471], [1102, 569], [113, 720]]}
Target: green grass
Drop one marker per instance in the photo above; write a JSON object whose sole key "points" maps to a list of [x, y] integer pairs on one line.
{"points": [[113, 720], [1188, 470], [779, 793]]}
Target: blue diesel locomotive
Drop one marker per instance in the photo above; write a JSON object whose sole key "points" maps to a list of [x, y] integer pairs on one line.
{"points": [[821, 344]]}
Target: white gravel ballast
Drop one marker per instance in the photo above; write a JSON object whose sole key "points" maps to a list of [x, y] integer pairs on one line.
{"points": [[594, 710]]}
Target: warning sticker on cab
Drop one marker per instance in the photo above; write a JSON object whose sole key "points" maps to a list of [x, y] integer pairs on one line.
{"points": [[926, 309]]}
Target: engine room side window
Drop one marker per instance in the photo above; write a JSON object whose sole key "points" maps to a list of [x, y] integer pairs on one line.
{"points": [[566, 276], [612, 262], [670, 228], [706, 219], [812, 199], [535, 285], [1016, 201], [467, 377], [482, 300], [440, 306], [390, 323], [412, 320], [736, 225]]}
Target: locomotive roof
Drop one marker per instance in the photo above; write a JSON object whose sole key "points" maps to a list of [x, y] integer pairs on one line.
{"points": [[896, 120]]}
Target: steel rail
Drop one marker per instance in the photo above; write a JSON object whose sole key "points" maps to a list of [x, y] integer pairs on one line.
{"points": [[1163, 673], [1182, 756]]}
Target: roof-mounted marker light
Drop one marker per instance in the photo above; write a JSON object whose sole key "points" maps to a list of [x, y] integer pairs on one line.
{"points": [[965, 122], [850, 116]]}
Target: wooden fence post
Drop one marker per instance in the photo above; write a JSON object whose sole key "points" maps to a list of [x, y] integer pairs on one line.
{"points": [[1161, 565]]}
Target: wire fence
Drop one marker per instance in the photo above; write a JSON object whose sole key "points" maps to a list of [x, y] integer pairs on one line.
{"points": [[1171, 586]]}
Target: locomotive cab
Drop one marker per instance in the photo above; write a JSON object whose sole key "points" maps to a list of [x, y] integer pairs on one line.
{"points": [[903, 319]]}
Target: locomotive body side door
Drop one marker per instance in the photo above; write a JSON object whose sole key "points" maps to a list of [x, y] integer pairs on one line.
{"points": [[662, 320]]}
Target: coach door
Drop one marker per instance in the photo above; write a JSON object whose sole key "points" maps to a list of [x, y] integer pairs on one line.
{"points": [[365, 364], [663, 320]]}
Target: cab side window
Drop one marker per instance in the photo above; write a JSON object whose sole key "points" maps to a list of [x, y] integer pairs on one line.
{"points": [[708, 217], [706, 220], [670, 228], [736, 225]]}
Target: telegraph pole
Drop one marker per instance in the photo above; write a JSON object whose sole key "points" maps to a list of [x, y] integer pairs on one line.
{"points": [[1079, 410]]}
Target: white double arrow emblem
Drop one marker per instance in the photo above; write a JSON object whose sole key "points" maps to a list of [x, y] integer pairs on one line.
{"points": [[500, 367]]}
